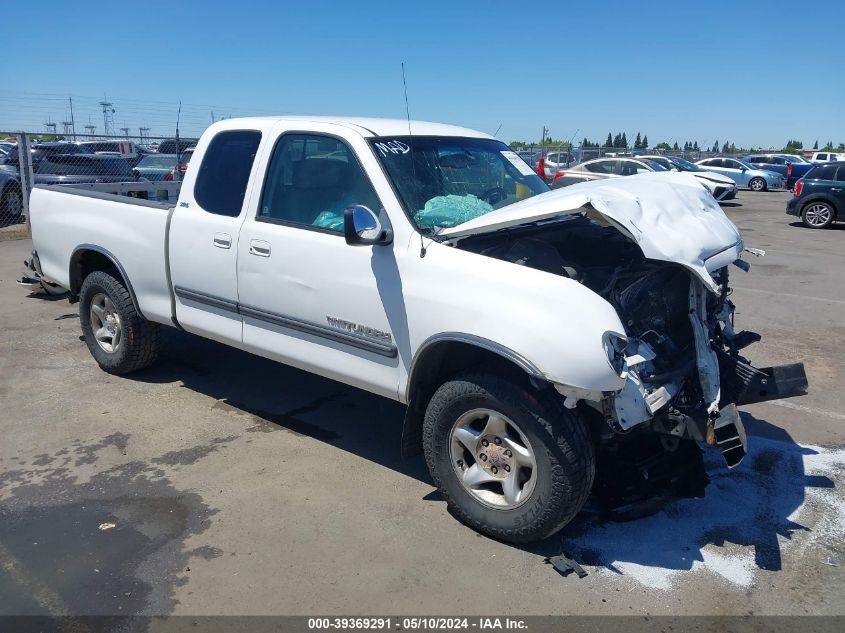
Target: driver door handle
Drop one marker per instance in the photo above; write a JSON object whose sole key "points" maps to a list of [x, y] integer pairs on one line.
{"points": [[222, 240], [259, 248]]}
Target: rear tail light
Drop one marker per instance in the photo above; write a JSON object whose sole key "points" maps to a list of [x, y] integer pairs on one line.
{"points": [[168, 177], [559, 174], [183, 167], [799, 187], [541, 168], [789, 170]]}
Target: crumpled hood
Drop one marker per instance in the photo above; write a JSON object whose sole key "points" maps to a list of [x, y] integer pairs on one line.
{"points": [[670, 215]]}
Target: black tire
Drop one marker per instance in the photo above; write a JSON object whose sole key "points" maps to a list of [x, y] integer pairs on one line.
{"points": [[817, 214], [562, 447], [11, 202], [760, 183], [140, 339]]}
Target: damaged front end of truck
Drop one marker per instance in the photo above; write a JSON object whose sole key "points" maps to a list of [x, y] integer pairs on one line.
{"points": [[659, 250]]}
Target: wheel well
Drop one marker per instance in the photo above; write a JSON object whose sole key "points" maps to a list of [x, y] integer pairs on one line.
{"points": [[85, 261], [438, 363], [828, 202]]}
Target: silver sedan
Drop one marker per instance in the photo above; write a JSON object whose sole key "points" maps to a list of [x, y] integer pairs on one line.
{"points": [[743, 174]]}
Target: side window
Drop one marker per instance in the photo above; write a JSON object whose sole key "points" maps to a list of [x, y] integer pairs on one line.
{"points": [[827, 172], [732, 164], [821, 156], [629, 168], [311, 180], [840, 175], [224, 172], [756, 160], [601, 167]]}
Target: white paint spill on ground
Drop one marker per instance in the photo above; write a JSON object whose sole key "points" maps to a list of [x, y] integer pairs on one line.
{"points": [[784, 498]]}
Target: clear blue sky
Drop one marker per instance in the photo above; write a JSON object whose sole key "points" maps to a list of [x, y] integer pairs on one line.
{"points": [[745, 71]]}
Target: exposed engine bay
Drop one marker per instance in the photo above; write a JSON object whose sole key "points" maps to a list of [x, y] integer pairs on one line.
{"points": [[681, 360]]}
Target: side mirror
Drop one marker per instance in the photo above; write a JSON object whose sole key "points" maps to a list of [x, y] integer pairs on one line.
{"points": [[361, 227]]}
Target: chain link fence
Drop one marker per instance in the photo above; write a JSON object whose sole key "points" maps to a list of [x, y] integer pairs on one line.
{"points": [[139, 166]]}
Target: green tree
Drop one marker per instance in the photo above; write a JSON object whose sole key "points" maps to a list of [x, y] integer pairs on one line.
{"points": [[716, 147], [609, 141], [816, 145], [695, 146], [725, 147], [638, 142], [624, 140], [662, 146], [675, 146], [644, 144]]}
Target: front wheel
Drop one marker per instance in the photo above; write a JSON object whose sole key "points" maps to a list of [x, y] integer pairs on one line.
{"points": [[511, 463], [757, 184], [817, 215], [118, 337]]}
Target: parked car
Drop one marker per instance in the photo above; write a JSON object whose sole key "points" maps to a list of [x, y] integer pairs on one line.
{"points": [[819, 197], [66, 169], [553, 162], [11, 198], [743, 174], [169, 146], [790, 167], [156, 167], [603, 168], [126, 149], [530, 158], [722, 187], [612, 341], [825, 157], [42, 150]]}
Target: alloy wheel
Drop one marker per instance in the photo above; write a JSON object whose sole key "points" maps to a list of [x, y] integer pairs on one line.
{"points": [[493, 459]]}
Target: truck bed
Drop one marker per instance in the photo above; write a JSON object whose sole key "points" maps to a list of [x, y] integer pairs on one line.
{"points": [[128, 230]]}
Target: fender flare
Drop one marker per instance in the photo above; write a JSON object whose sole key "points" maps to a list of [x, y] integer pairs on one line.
{"points": [[76, 280], [414, 414]]}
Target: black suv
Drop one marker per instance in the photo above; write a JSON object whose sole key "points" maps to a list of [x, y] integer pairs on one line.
{"points": [[819, 198]]}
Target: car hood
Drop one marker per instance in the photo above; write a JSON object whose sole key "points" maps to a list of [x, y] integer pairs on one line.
{"points": [[669, 215]]}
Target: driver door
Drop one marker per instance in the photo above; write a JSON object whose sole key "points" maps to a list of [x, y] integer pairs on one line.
{"points": [[308, 298]]}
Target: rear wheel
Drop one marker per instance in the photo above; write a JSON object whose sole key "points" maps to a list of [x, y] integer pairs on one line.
{"points": [[817, 215], [118, 337], [757, 184], [511, 463]]}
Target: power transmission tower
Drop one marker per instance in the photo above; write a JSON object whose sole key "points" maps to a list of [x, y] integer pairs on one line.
{"points": [[143, 131], [51, 127], [125, 131], [90, 129], [108, 116], [68, 125]]}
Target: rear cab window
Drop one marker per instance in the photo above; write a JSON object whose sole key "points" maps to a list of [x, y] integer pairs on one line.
{"points": [[224, 171]]}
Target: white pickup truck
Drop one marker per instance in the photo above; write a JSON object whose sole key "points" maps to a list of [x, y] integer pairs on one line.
{"points": [[546, 343]]}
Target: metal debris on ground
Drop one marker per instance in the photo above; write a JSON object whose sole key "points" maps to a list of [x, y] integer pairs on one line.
{"points": [[106, 526], [564, 565]]}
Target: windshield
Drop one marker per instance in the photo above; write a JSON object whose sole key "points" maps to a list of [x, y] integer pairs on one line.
{"points": [[654, 164], [684, 165], [446, 181]]}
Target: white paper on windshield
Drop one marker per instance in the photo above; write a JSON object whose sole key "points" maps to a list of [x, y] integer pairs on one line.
{"points": [[517, 162]]}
